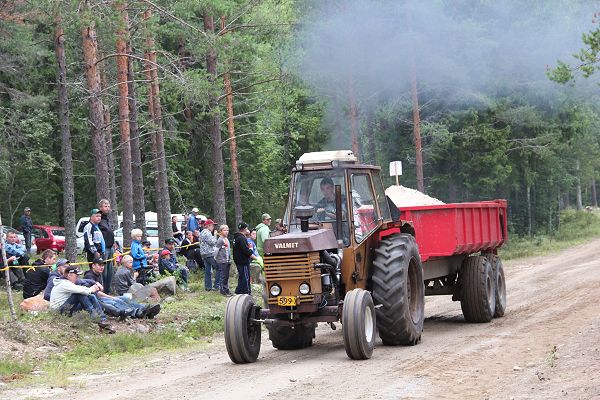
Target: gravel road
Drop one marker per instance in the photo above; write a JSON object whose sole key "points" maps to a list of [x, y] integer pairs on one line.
{"points": [[547, 346]]}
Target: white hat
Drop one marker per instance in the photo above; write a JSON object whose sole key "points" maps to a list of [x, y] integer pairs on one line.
{"points": [[201, 217], [195, 209]]}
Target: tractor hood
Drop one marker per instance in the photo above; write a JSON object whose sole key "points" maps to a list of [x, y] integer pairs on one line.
{"points": [[301, 242]]}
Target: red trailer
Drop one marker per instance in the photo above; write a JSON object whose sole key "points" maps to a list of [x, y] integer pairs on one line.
{"points": [[458, 244], [461, 228]]}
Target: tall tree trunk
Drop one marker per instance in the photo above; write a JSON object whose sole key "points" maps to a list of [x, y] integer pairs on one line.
{"points": [[215, 127], [417, 128], [114, 210], [594, 196], [96, 118], [235, 174], [126, 180], [371, 143], [66, 148], [416, 114], [161, 182], [353, 119], [529, 215], [578, 187], [137, 172], [110, 157]]}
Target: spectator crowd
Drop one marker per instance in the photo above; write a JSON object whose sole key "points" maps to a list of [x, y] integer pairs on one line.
{"points": [[105, 290]]}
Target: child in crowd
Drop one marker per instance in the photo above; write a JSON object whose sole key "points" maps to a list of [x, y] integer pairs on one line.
{"points": [[223, 258]]}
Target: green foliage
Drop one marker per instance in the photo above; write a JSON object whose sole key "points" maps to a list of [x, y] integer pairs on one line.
{"points": [[575, 227], [10, 368], [587, 57]]}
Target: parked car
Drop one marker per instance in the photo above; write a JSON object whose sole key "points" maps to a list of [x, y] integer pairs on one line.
{"points": [[6, 229], [49, 237]]}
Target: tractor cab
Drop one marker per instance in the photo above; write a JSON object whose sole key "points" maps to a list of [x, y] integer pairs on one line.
{"points": [[315, 181]]}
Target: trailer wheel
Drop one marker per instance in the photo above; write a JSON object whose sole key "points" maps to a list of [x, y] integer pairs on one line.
{"points": [[478, 301], [500, 287], [292, 338], [398, 286], [242, 336], [358, 319]]}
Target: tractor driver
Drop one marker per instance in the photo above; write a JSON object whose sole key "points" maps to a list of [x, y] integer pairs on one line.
{"points": [[326, 206]]}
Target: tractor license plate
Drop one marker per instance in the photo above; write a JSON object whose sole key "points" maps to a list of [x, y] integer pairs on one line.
{"points": [[286, 301]]}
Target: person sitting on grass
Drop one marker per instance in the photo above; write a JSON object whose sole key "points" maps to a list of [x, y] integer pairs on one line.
{"points": [[121, 306], [36, 278], [125, 278], [168, 262], [68, 297], [61, 264]]}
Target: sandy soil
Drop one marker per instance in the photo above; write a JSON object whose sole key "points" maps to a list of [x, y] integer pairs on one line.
{"points": [[547, 346]]}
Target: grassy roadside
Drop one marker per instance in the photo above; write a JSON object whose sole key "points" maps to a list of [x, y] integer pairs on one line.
{"points": [[575, 228], [48, 348]]}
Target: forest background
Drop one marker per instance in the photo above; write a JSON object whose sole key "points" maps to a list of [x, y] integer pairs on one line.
{"points": [[168, 105]]}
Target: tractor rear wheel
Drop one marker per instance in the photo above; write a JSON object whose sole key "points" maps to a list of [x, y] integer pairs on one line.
{"points": [[478, 300], [358, 319], [398, 286], [242, 335], [500, 287], [292, 338]]}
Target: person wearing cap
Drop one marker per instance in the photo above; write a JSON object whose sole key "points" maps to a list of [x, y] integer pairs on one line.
{"points": [[68, 297], [61, 264], [26, 227], [242, 256], [192, 223], [262, 233], [108, 234], [93, 240], [168, 261], [120, 306], [279, 228], [207, 252], [36, 278]]}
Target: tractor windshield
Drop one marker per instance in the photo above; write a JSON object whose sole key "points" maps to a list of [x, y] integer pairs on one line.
{"points": [[317, 189]]}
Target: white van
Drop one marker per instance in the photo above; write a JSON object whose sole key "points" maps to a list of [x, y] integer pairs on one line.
{"points": [[151, 228]]}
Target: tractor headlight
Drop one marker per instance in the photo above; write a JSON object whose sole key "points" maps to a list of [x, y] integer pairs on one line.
{"points": [[275, 290], [304, 288]]}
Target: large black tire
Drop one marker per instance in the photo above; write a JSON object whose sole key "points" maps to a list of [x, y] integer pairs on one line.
{"points": [[358, 319], [499, 287], [478, 300], [242, 336], [398, 286], [292, 338]]}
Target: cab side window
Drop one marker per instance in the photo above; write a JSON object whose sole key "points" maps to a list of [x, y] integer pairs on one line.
{"points": [[365, 216]]}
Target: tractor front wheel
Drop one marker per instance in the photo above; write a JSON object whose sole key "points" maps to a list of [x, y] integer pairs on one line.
{"points": [[358, 319], [242, 334]]}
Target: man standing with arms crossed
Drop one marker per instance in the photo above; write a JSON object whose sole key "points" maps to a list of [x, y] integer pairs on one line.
{"points": [[109, 241]]}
